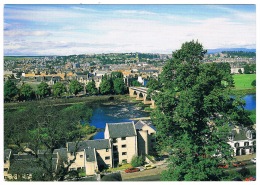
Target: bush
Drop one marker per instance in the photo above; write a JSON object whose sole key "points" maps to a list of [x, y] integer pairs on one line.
{"points": [[137, 161]]}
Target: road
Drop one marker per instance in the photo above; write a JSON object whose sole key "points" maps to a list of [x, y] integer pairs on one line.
{"points": [[154, 174]]}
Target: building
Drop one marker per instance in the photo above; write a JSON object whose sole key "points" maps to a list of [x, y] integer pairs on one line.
{"points": [[123, 137], [243, 141]]}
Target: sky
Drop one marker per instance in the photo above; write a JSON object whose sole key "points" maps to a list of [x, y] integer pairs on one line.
{"points": [[86, 29]]}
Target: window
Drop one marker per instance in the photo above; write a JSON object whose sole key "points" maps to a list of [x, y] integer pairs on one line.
{"points": [[236, 144], [123, 146], [107, 150], [71, 153], [114, 140], [123, 138], [231, 137], [115, 148], [246, 143], [81, 156], [107, 158], [124, 153]]}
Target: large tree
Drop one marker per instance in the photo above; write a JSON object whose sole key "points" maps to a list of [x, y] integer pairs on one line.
{"points": [[119, 86], [193, 115], [105, 86], [43, 89], [75, 87], [58, 88], [10, 90], [26, 92], [91, 88]]}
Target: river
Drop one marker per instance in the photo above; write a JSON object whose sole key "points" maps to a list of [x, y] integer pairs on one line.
{"points": [[115, 112]]}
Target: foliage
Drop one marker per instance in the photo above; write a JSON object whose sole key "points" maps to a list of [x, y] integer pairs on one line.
{"points": [[119, 86], [44, 126], [193, 113], [135, 83], [105, 86], [43, 89], [10, 90], [26, 92], [240, 71], [250, 69], [137, 161], [58, 88], [91, 88], [112, 177], [253, 83], [75, 87]]}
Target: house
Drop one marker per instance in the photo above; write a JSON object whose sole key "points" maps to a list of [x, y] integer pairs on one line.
{"points": [[123, 137], [24, 165], [242, 140], [90, 155], [145, 137]]}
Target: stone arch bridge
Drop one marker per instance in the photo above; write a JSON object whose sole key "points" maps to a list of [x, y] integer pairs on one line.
{"points": [[140, 93]]}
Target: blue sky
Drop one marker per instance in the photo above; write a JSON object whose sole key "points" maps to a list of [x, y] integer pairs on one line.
{"points": [[79, 29]]}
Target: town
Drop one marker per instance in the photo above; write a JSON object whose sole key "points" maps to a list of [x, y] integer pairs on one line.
{"points": [[122, 141]]}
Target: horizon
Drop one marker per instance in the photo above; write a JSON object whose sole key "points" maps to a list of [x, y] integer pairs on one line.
{"points": [[63, 30]]}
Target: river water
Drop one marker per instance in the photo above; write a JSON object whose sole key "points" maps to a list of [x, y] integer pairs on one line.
{"points": [[115, 112]]}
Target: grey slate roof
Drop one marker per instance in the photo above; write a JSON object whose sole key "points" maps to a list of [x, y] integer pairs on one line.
{"points": [[62, 152], [90, 155], [242, 134], [97, 144], [139, 125], [124, 129]]}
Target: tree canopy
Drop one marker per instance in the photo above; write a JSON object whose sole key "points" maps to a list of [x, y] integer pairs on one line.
{"points": [[75, 87], [91, 88], [194, 115], [58, 88], [10, 90], [43, 89], [26, 92]]}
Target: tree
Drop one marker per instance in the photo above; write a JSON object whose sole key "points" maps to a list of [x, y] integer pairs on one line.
{"points": [[240, 71], [75, 87], [58, 89], [105, 86], [119, 86], [137, 161], [43, 89], [193, 115], [10, 90], [26, 92], [136, 83], [91, 88], [253, 83]]}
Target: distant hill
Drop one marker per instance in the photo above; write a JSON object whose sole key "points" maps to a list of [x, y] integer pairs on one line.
{"points": [[219, 50]]}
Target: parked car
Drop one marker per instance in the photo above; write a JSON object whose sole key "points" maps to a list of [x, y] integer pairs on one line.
{"points": [[149, 166], [223, 166], [131, 170], [253, 160], [238, 164]]}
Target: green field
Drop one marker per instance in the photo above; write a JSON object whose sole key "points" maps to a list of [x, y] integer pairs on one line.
{"points": [[243, 81]]}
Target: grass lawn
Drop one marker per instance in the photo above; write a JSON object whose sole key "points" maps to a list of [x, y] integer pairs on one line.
{"points": [[243, 81]]}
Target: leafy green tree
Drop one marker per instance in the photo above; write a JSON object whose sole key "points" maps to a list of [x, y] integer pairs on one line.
{"points": [[253, 83], [105, 86], [75, 87], [91, 88], [137, 161], [10, 90], [116, 74], [58, 88], [193, 115], [26, 92], [43, 89], [119, 86], [136, 83]]}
